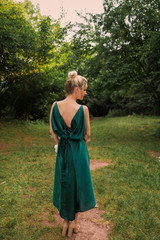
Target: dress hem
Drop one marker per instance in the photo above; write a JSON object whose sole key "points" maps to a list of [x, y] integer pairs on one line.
{"points": [[78, 211]]}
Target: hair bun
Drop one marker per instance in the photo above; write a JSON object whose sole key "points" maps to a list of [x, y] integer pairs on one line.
{"points": [[72, 74]]}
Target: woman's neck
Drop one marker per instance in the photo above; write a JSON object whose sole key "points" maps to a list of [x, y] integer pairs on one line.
{"points": [[71, 97]]}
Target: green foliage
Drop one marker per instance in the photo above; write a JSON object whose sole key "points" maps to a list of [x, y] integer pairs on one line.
{"points": [[33, 61], [134, 37], [117, 51], [124, 67]]}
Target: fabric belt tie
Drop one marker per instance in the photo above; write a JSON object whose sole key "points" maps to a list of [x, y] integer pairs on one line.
{"points": [[64, 145]]}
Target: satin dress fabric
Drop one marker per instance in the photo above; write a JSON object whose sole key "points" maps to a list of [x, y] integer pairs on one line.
{"points": [[73, 189]]}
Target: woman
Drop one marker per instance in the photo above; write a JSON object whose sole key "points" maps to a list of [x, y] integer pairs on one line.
{"points": [[70, 128]]}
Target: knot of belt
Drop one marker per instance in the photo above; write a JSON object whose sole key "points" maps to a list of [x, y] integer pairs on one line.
{"points": [[64, 148]]}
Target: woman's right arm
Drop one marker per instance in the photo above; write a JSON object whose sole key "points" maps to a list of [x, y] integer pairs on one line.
{"points": [[87, 132], [51, 131]]}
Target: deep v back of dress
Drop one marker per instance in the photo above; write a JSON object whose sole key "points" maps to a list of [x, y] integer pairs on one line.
{"points": [[68, 113]]}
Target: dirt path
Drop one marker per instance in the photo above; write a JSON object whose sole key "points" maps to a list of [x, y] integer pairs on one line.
{"points": [[155, 154], [91, 225]]}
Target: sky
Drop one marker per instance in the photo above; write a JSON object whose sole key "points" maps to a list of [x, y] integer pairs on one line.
{"points": [[53, 8]]}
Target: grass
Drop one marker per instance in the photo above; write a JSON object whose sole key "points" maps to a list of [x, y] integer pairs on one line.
{"points": [[27, 160], [127, 190]]}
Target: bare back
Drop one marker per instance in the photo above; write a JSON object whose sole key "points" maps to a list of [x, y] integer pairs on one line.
{"points": [[68, 109]]}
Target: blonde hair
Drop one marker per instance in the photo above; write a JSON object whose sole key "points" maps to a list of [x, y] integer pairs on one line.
{"points": [[74, 80]]}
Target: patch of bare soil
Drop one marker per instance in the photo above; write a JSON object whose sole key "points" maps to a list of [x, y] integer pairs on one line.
{"points": [[25, 196], [5, 147], [45, 222], [155, 154], [91, 225], [22, 141], [96, 164], [32, 189]]}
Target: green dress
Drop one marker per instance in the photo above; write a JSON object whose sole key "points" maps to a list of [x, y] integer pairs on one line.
{"points": [[73, 189]]}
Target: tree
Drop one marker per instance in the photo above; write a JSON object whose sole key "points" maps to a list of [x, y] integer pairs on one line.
{"points": [[32, 51], [132, 40], [124, 68], [15, 53]]}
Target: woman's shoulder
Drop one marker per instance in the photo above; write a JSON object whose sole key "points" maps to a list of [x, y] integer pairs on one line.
{"points": [[57, 102], [86, 111], [85, 108], [53, 105]]}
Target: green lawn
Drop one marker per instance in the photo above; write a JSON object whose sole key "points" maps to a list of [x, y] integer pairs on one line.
{"points": [[128, 190]]}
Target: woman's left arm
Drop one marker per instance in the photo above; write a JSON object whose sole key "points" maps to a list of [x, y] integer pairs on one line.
{"points": [[87, 132], [51, 131]]}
